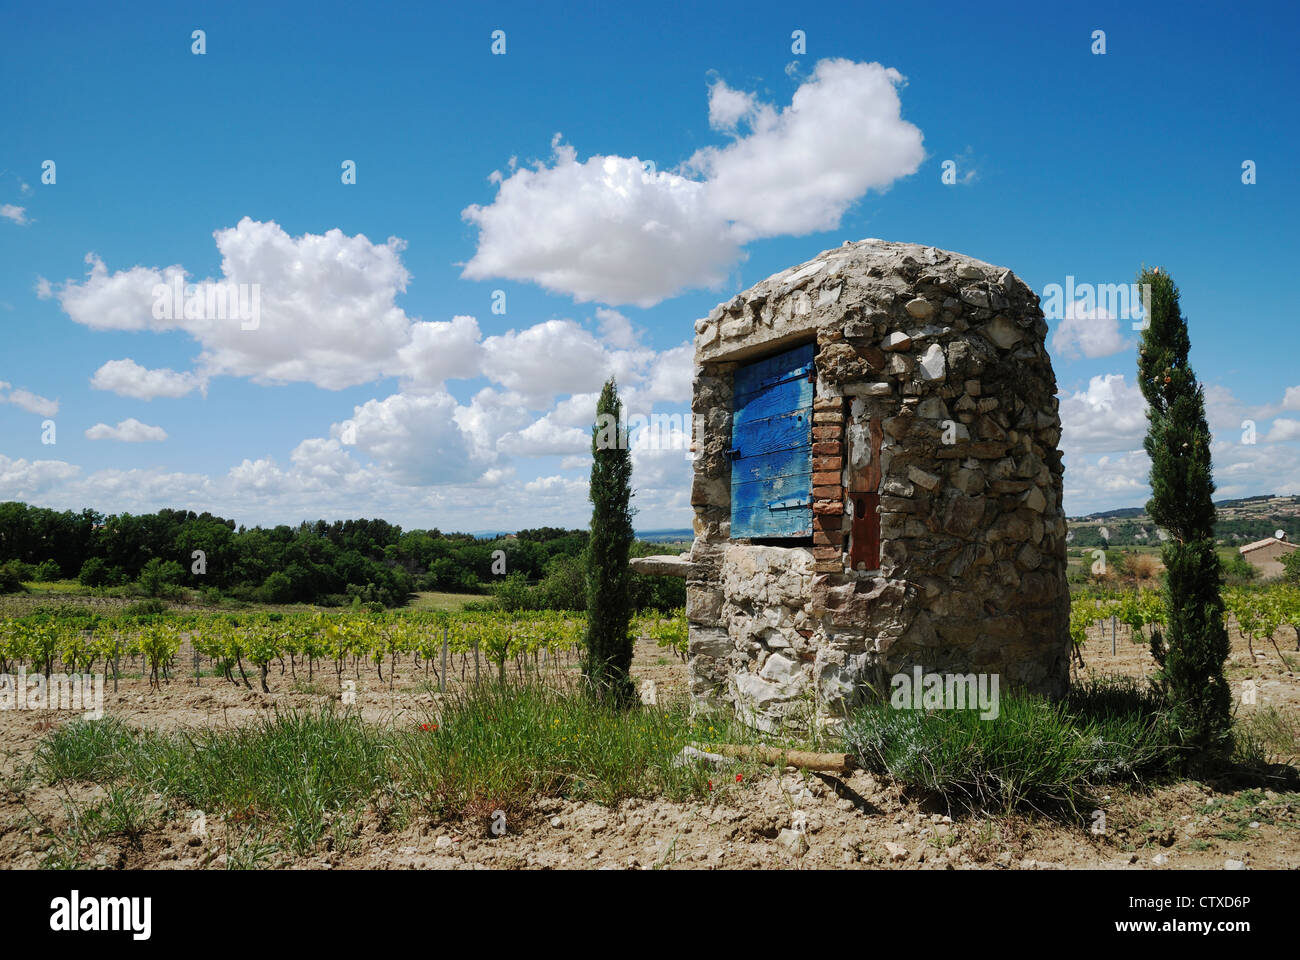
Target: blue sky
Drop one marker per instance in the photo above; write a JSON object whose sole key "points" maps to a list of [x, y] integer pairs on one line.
{"points": [[361, 393]]}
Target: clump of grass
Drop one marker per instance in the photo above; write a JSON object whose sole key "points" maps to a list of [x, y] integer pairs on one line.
{"points": [[1036, 754], [1267, 736], [307, 778], [93, 750], [252, 852], [127, 812], [304, 772], [499, 746]]}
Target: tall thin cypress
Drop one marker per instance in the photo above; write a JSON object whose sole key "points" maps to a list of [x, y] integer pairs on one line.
{"points": [[1192, 649], [608, 658]]}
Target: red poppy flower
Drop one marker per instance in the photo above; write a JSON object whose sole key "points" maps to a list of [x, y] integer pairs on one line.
{"points": [[739, 778], [710, 784]]}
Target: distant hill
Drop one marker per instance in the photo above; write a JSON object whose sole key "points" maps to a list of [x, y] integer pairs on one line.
{"points": [[1121, 513], [1240, 521]]}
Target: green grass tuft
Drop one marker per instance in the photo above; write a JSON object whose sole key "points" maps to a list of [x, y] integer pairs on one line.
{"points": [[1035, 754]]}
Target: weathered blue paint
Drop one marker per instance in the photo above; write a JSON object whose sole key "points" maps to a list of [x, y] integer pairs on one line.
{"points": [[771, 441]]}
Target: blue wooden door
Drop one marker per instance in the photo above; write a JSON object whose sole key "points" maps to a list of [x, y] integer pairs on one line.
{"points": [[771, 446]]}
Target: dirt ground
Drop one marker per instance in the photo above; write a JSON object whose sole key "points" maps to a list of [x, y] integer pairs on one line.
{"points": [[859, 821]]}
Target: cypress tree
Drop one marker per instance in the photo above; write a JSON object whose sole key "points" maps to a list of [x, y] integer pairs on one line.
{"points": [[608, 657], [1192, 649]]}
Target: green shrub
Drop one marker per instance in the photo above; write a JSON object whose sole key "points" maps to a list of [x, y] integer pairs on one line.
{"points": [[47, 571], [158, 575], [277, 588], [514, 593], [1291, 566], [1239, 570], [564, 587], [10, 580], [94, 573], [26, 572], [145, 608]]}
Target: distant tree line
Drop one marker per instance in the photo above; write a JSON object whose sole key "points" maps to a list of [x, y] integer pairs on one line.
{"points": [[313, 562]]}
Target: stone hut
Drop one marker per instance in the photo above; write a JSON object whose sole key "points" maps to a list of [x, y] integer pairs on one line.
{"points": [[877, 485]]}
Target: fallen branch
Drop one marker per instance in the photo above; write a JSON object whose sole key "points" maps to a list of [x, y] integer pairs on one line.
{"points": [[806, 759]]}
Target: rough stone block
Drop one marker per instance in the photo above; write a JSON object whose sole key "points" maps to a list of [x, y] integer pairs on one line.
{"points": [[922, 478], [703, 604]]}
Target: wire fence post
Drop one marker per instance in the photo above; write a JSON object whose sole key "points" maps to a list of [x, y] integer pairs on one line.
{"points": [[442, 677]]}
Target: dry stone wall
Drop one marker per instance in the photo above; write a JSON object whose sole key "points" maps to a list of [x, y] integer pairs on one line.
{"points": [[935, 394]]}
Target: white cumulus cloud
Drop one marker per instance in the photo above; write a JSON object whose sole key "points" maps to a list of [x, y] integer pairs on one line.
{"points": [[611, 230], [1109, 416], [546, 359], [1092, 332], [127, 378], [31, 402], [129, 430], [326, 311], [727, 107], [800, 168], [1283, 429], [25, 479]]}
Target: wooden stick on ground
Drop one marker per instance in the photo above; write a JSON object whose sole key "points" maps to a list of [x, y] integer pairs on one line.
{"points": [[830, 762]]}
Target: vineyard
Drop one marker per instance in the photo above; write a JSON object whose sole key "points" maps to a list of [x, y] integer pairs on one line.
{"points": [[310, 643], [236, 647], [1257, 612]]}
